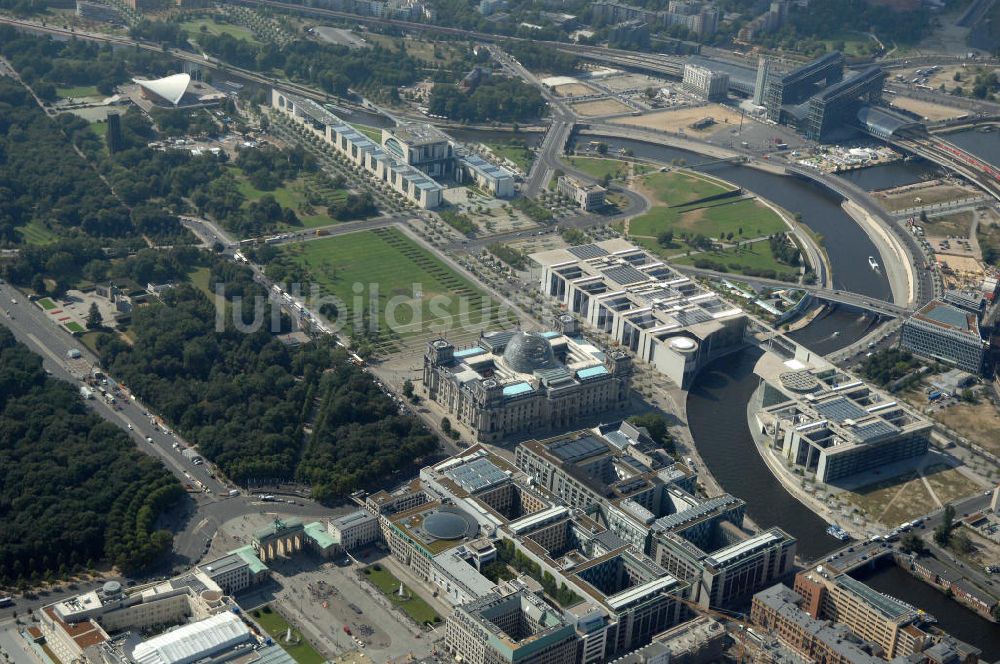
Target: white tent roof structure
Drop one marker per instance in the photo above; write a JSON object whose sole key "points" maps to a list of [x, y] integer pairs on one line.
{"points": [[171, 88], [193, 642]]}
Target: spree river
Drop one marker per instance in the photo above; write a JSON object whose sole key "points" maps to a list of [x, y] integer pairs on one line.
{"points": [[716, 405], [845, 242]]}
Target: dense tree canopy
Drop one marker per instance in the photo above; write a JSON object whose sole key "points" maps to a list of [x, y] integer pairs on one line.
{"points": [[73, 488], [333, 68], [247, 400], [503, 100]]}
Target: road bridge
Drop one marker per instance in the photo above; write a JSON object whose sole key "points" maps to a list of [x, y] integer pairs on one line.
{"points": [[829, 294]]}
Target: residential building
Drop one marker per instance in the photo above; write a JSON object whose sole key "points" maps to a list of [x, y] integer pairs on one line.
{"points": [[778, 611], [662, 316], [503, 629], [587, 196], [705, 83], [353, 530], [514, 381], [880, 619], [701, 640], [617, 474], [945, 332], [831, 425]]}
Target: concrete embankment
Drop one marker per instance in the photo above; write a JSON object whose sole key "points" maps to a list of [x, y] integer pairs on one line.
{"points": [[896, 260]]}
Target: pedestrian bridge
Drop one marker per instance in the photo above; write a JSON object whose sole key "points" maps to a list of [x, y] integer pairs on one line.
{"points": [[849, 298]]}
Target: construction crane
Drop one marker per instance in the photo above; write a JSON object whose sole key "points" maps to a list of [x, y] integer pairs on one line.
{"points": [[722, 615]]}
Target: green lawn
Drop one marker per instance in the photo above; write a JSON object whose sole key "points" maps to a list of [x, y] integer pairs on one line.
{"points": [[34, 233], [714, 220], [856, 44], [682, 187], [274, 624], [73, 326], [100, 130], [394, 264], [47, 304], [598, 168], [412, 604], [753, 259], [293, 195], [371, 132], [516, 152], [193, 29], [78, 91], [199, 279]]}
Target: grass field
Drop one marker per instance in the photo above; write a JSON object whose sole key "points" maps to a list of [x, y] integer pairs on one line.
{"points": [[194, 28], [78, 91], [682, 187], [73, 326], [746, 259], [47, 304], [856, 44], [294, 194], [34, 233], [597, 168], [413, 605], [517, 153], [199, 279], [386, 260], [435, 53], [715, 220], [302, 651], [373, 133]]}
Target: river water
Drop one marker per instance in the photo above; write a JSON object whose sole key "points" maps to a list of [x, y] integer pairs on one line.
{"points": [[985, 145], [845, 242], [895, 174], [716, 405], [954, 618]]}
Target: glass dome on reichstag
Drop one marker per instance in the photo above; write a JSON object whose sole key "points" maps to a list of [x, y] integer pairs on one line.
{"points": [[528, 352]]}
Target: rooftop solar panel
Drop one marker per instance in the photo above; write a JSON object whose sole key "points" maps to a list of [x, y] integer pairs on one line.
{"points": [[691, 317], [476, 475], [576, 449], [840, 409], [873, 430], [625, 275], [586, 251]]}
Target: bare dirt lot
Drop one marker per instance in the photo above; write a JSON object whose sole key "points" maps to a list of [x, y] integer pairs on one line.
{"points": [[593, 109], [625, 81], [946, 75], [680, 120], [979, 422], [573, 90], [927, 110], [923, 194]]}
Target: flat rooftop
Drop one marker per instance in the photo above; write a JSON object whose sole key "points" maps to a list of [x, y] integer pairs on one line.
{"points": [[948, 317]]}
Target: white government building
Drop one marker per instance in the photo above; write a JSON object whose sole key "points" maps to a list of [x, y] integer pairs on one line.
{"points": [[409, 157]]}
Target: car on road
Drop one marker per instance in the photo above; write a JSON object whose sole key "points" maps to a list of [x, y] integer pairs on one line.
{"points": [[149, 440]]}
